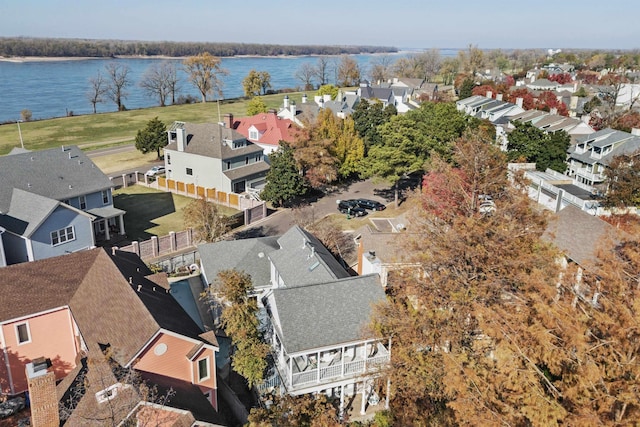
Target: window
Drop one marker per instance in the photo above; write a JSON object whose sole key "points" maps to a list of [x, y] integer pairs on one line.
{"points": [[65, 201], [60, 236], [168, 158], [189, 171], [258, 157], [105, 197], [253, 134], [203, 369], [238, 144], [22, 332], [83, 202], [228, 165], [246, 160]]}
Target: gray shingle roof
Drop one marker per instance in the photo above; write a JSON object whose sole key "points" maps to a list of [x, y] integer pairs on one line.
{"points": [[26, 212], [326, 314], [579, 234], [56, 173], [248, 255], [207, 139], [302, 259], [247, 171]]}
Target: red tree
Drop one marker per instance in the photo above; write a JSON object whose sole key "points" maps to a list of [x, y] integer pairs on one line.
{"points": [[528, 101], [483, 89], [562, 78], [547, 100]]}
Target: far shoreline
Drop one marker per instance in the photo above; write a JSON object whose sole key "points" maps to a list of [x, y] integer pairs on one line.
{"points": [[25, 59]]}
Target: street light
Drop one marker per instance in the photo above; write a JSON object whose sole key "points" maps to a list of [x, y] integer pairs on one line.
{"points": [[20, 132]]}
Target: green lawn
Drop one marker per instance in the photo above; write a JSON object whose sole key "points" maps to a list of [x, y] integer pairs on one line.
{"points": [[152, 212], [107, 129]]}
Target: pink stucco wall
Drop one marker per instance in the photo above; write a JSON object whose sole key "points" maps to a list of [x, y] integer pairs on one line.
{"points": [[52, 336]]}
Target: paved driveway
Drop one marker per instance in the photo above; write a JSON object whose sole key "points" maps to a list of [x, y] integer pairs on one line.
{"points": [[280, 221]]}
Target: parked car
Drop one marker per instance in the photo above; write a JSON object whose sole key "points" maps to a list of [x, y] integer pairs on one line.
{"points": [[351, 207], [156, 170], [370, 204]]}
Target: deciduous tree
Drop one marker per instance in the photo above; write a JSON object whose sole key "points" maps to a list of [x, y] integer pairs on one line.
{"points": [[205, 73], [205, 219], [348, 72], [97, 90], [623, 181], [321, 70], [256, 106], [152, 138], [296, 411], [118, 82], [305, 74], [232, 288], [256, 82], [160, 81], [367, 117]]}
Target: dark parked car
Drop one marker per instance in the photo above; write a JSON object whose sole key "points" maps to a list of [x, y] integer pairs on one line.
{"points": [[370, 204], [351, 207]]}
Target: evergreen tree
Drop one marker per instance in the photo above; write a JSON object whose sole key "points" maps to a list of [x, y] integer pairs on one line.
{"points": [[284, 182], [546, 150], [152, 138]]}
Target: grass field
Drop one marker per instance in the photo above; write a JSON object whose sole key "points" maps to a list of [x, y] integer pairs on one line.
{"points": [[152, 212], [107, 129]]}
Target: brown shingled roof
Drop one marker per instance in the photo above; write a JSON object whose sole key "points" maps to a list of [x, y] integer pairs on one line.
{"points": [[33, 287]]}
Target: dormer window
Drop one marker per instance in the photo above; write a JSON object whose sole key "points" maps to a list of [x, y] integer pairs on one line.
{"points": [[253, 134], [239, 144]]}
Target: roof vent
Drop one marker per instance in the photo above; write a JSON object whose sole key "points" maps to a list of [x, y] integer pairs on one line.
{"points": [[63, 148], [130, 280], [139, 288], [28, 185], [69, 155], [260, 254], [113, 252], [154, 289], [70, 186]]}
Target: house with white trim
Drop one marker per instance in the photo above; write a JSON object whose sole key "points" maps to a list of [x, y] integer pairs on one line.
{"points": [[54, 202]]}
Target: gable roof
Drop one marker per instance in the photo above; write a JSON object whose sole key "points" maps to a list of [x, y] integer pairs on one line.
{"points": [[325, 314], [107, 308], [208, 139], [579, 234], [273, 128], [248, 255], [28, 210], [302, 259], [58, 173]]}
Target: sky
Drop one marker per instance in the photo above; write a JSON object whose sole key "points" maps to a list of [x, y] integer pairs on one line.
{"points": [[415, 24]]}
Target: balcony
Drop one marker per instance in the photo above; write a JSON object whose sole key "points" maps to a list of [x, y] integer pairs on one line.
{"points": [[323, 369], [588, 176]]}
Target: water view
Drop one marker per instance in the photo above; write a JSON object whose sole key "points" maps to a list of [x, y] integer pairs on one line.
{"points": [[59, 88]]}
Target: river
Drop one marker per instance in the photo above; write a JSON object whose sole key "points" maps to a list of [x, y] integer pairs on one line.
{"points": [[58, 88]]}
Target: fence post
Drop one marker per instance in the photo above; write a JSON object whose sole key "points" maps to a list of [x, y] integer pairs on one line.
{"points": [[172, 239], [154, 246], [247, 216], [264, 210], [136, 247], [189, 236], [124, 180]]}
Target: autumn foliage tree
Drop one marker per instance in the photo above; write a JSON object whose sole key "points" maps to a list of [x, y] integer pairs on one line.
{"points": [[492, 331], [205, 219], [296, 411], [240, 322], [205, 73]]}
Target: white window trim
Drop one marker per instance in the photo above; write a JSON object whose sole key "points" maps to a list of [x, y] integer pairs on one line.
{"points": [[66, 234], [18, 333], [105, 195], [82, 200], [208, 369]]}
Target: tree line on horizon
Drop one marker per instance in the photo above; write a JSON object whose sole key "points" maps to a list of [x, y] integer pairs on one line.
{"points": [[58, 47]]}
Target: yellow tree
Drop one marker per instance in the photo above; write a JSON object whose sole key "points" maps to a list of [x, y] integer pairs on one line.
{"points": [[205, 72]]}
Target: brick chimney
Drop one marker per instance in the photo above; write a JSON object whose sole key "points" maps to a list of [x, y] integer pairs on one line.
{"points": [[228, 121], [42, 393]]}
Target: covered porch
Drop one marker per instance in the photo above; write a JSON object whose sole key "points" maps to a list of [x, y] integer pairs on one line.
{"points": [[108, 224]]}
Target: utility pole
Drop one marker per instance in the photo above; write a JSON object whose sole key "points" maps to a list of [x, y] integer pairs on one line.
{"points": [[20, 133]]}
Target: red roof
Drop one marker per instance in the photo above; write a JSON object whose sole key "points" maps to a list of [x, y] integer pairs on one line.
{"points": [[272, 128]]}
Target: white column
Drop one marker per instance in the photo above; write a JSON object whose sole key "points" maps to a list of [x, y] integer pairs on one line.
{"points": [[106, 229], [291, 371], [318, 365], [363, 406], [122, 225], [342, 360]]}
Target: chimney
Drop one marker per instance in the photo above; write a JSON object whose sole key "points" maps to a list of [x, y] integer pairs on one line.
{"points": [[489, 94], [519, 102], [293, 107], [42, 393], [181, 136], [553, 111], [228, 121], [286, 101], [635, 131], [498, 97], [304, 98]]}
